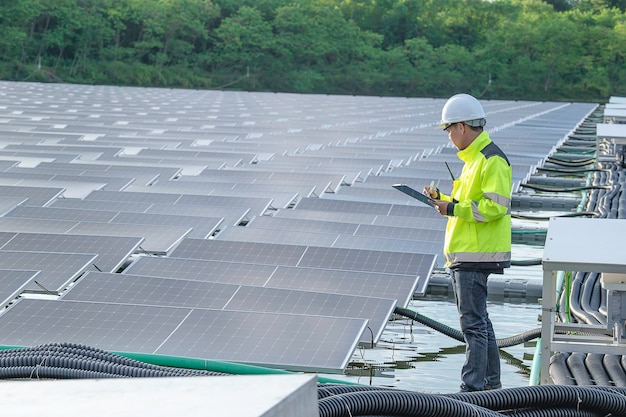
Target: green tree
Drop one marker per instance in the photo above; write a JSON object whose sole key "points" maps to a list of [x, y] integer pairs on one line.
{"points": [[243, 45]]}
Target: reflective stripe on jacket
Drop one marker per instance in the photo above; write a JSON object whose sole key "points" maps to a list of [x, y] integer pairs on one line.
{"points": [[478, 233]]}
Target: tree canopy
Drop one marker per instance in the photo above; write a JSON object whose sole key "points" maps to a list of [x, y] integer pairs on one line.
{"points": [[509, 49]]}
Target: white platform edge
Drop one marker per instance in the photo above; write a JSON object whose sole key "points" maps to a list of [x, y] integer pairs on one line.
{"points": [[225, 396]]}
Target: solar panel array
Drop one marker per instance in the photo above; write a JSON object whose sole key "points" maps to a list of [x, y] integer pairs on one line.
{"points": [[249, 227]]}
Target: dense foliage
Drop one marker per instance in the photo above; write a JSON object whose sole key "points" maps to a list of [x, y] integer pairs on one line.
{"points": [[521, 49]]}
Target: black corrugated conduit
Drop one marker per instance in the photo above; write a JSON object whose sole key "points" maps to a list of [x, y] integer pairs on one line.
{"points": [[526, 262], [562, 171], [613, 366], [541, 401], [565, 189], [457, 335], [570, 161], [589, 369], [397, 403], [576, 364], [591, 297], [559, 371], [576, 214], [595, 366], [74, 361]]}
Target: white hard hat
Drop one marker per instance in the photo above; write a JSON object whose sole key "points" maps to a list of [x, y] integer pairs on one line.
{"points": [[462, 108]]}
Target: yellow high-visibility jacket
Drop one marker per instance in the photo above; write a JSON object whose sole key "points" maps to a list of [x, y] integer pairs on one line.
{"points": [[478, 233]]}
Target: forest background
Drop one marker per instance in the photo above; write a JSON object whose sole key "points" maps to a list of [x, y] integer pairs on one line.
{"points": [[499, 49]]}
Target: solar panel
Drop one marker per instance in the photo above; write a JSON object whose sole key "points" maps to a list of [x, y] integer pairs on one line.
{"points": [[12, 282], [303, 256], [283, 223], [76, 215], [368, 260], [102, 195], [202, 227], [422, 223], [150, 290], [331, 216], [112, 251], [71, 189], [157, 239], [285, 237], [343, 206], [202, 270], [258, 253], [9, 203], [367, 284], [408, 233], [146, 290], [57, 269], [363, 283], [286, 301], [388, 244], [293, 342], [6, 237], [114, 206], [257, 205], [374, 194], [37, 196], [143, 175], [232, 215], [361, 237], [116, 327]]}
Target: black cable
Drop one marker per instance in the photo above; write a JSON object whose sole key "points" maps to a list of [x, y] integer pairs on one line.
{"points": [[541, 401], [576, 214], [457, 335], [565, 189], [74, 361]]}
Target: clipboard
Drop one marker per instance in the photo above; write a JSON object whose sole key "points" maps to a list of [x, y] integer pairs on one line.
{"points": [[414, 193]]}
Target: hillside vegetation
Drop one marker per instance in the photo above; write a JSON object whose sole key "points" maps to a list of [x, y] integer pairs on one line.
{"points": [[520, 49]]}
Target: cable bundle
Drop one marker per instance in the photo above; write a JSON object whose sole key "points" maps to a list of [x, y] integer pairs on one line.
{"points": [[74, 361], [535, 401]]}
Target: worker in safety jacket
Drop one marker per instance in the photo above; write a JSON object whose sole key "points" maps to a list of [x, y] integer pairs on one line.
{"points": [[478, 233]]}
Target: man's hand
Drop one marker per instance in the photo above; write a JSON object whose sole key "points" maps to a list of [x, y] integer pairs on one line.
{"points": [[441, 206]]}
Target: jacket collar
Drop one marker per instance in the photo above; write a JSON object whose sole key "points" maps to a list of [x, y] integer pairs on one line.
{"points": [[476, 146]]}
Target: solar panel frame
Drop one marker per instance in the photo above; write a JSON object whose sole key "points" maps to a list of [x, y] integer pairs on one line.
{"points": [[150, 290], [306, 256], [239, 273], [286, 301], [176, 292], [114, 327], [363, 283], [292, 342], [285, 237], [57, 270], [37, 196], [303, 225], [296, 343], [388, 244], [9, 203], [159, 240], [67, 214], [201, 227], [250, 252], [112, 251], [13, 282]]}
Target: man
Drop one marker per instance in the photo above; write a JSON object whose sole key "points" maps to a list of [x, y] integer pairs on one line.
{"points": [[478, 233]]}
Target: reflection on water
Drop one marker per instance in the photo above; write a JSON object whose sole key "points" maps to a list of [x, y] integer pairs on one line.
{"points": [[414, 357]]}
